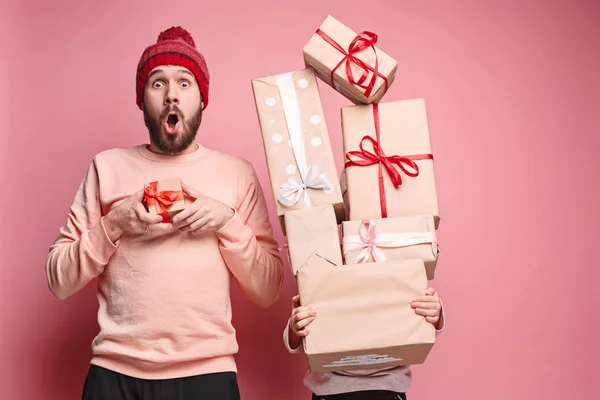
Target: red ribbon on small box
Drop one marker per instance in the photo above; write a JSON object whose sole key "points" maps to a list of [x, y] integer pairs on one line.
{"points": [[366, 158], [161, 200], [360, 42]]}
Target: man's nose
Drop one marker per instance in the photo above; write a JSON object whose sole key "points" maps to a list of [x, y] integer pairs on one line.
{"points": [[172, 96]]}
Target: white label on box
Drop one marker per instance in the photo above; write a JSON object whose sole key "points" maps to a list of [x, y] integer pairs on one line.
{"points": [[367, 359]]}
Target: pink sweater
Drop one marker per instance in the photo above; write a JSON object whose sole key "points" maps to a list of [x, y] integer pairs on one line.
{"points": [[164, 300]]}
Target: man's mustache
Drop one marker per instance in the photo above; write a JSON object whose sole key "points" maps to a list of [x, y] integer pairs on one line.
{"points": [[169, 110]]}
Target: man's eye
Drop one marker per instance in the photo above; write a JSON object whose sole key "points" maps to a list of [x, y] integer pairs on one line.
{"points": [[158, 84], [185, 84]]}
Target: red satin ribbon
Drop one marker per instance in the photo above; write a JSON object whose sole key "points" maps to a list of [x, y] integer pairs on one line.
{"points": [[161, 200], [361, 41], [366, 158]]}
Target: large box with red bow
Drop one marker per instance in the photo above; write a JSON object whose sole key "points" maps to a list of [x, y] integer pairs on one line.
{"points": [[389, 161], [350, 62]]}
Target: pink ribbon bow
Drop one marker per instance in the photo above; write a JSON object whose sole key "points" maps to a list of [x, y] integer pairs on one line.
{"points": [[371, 243]]}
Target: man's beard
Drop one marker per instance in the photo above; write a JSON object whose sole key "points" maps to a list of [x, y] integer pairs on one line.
{"points": [[173, 144]]}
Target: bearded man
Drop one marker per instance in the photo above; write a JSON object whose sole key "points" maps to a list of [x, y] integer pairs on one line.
{"points": [[164, 285]]}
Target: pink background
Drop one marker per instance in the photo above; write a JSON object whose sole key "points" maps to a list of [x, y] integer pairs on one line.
{"points": [[513, 95]]}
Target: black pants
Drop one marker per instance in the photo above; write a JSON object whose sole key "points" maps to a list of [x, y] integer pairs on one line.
{"points": [[103, 384], [363, 395]]}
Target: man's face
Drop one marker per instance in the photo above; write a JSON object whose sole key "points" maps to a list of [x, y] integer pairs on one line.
{"points": [[172, 108]]}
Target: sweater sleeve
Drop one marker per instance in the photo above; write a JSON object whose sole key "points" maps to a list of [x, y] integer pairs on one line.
{"points": [[286, 341], [248, 247], [82, 248]]}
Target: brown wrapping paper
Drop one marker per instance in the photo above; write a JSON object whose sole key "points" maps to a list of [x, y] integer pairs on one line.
{"points": [[296, 92], [173, 184], [404, 131], [394, 238], [364, 316], [324, 57], [313, 238]]}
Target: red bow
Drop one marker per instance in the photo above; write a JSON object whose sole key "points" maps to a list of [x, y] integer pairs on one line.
{"points": [[367, 158], [361, 41], [161, 200]]}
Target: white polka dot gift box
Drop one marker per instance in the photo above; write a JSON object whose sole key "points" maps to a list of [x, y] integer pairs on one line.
{"points": [[296, 142], [350, 62]]}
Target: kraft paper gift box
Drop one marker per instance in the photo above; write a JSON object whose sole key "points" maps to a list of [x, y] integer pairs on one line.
{"points": [[313, 238], [389, 162], [296, 142], [164, 197], [391, 239], [364, 316], [334, 48]]}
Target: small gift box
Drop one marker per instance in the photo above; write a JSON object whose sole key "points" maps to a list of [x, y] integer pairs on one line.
{"points": [[164, 197], [365, 319], [391, 239], [350, 62]]}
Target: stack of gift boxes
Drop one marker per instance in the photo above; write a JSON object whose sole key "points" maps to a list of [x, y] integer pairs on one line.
{"points": [[361, 282]]}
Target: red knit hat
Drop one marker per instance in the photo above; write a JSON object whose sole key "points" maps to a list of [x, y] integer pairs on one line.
{"points": [[175, 46]]}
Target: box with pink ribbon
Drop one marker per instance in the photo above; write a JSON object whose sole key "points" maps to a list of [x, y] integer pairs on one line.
{"points": [[389, 161], [350, 62], [296, 142], [391, 239]]}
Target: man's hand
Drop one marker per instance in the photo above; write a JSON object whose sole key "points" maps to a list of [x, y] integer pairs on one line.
{"points": [[429, 306], [301, 317], [204, 214], [130, 217]]}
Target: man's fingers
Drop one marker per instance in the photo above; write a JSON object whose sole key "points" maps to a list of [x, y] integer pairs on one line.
{"points": [[429, 305], [426, 312], [151, 219], [300, 309], [198, 225], [187, 189], [296, 301], [148, 218], [430, 292], [186, 223], [139, 196], [145, 216], [303, 315], [302, 333], [187, 216], [426, 299], [432, 320], [304, 323]]}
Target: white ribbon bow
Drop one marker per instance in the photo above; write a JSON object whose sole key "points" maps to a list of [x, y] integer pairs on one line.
{"points": [[291, 191]]}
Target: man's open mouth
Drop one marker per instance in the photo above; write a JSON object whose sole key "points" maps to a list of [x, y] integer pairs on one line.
{"points": [[171, 123]]}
